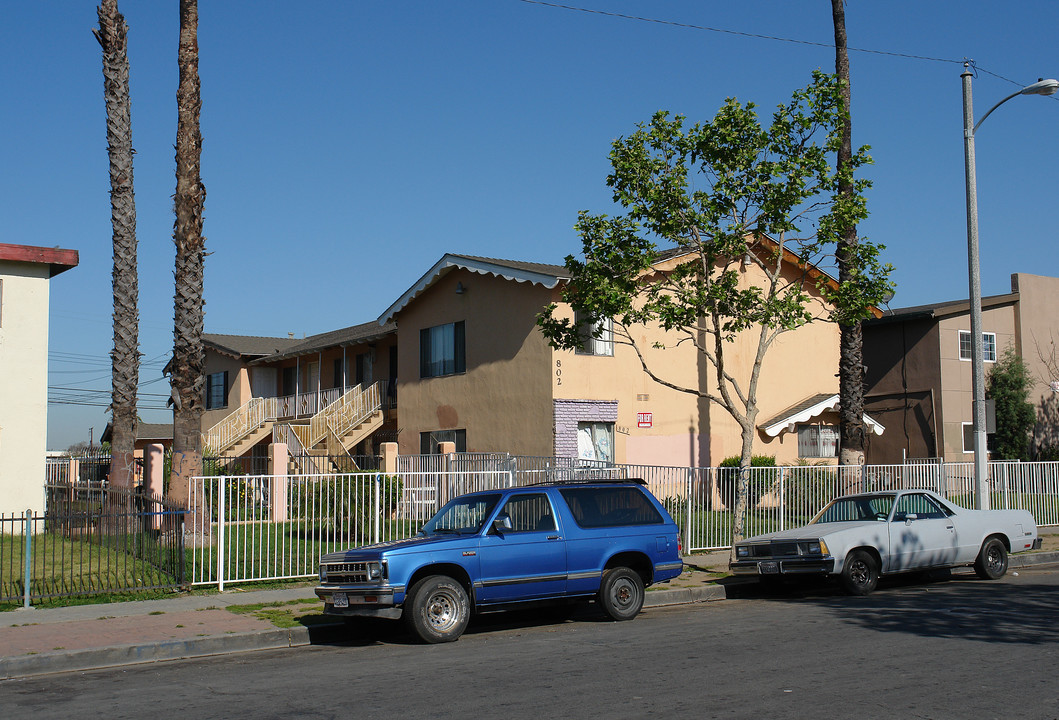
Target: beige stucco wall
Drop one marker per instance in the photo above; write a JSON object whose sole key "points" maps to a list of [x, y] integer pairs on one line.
{"points": [[23, 384], [503, 399], [686, 429], [1037, 337], [238, 387], [956, 390]]}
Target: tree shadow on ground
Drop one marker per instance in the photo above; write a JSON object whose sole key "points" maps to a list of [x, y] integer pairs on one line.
{"points": [[1013, 610]]}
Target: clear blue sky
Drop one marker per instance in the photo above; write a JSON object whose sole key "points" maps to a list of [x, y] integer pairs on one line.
{"points": [[348, 145]]}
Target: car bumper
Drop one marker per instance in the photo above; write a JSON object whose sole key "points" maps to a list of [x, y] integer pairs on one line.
{"points": [[783, 566], [379, 601]]}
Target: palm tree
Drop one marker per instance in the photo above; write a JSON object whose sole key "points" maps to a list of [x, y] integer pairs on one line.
{"points": [[188, 363], [125, 358], [851, 345]]}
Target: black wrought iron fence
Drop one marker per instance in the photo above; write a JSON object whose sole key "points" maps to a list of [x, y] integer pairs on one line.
{"points": [[91, 540]]}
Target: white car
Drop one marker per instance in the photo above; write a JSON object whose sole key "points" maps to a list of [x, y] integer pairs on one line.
{"points": [[860, 537]]}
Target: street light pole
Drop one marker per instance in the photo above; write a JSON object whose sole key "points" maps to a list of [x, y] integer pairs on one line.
{"points": [[981, 468]]}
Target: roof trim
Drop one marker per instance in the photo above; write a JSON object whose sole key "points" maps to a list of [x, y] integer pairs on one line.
{"points": [[57, 259], [786, 423], [483, 266]]}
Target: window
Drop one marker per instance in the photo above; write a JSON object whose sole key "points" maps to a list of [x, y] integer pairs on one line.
{"points": [[919, 505], [442, 351], [595, 441], [289, 381], [988, 346], [217, 390], [817, 441], [968, 437], [597, 338], [429, 441], [529, 513], [610, 507], [338, 379]]}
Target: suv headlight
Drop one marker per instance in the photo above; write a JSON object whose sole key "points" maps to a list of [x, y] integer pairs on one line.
{"points": [[374, 571]]}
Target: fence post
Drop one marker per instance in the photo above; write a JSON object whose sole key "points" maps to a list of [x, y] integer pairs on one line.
{"points": [[687, 511], [378, 506], [27, 575], [783, 498], [220, 531]]}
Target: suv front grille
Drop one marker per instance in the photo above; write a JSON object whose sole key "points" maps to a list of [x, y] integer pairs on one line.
{"points": [[346, 573]]}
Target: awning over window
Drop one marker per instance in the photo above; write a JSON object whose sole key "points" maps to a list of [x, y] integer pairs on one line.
{"points": [[805, 411]]}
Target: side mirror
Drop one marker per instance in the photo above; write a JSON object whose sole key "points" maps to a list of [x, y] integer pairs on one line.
{"points": [[502, 524], [910, 517]]}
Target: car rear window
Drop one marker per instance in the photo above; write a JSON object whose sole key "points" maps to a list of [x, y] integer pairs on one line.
{"points": [[595, 507]]}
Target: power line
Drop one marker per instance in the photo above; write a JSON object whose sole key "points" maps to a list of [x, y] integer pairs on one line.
{"points": [[759, 36]]}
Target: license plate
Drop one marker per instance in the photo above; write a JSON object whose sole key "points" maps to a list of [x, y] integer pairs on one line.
{"points": [[340, 600], [768, 568]]}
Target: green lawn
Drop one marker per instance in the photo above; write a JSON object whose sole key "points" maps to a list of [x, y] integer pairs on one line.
{"points": [[64, 566]]}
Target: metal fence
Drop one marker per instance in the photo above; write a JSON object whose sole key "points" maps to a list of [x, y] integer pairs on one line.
{"points": [[90, 540], [250, 528]]}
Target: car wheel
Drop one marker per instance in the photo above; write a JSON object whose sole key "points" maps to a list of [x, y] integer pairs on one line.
{"points": [[621, 593], [437, 609], [992, 561], [860, 573]]}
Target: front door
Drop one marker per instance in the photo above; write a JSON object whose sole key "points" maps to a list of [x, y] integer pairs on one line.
{"points": [[527, 560]]}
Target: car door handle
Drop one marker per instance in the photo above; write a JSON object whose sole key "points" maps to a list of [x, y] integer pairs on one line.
{"points": [[555, 537]]}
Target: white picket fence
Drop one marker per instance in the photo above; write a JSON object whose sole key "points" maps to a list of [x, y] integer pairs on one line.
{"points": [[249, 528]]}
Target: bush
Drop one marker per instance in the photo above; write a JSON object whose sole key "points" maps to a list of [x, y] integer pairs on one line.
{"points": [[728, 480]]}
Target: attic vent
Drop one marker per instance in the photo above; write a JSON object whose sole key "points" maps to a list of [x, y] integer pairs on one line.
{"points": [[642, 397]]}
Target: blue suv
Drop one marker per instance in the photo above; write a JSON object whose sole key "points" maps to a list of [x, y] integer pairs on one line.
{"points": [[497, 549]]}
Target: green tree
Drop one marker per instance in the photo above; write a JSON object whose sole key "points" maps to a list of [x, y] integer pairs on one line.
{"points": [[719, 197], [125, 358], [1009, 386], [188, 364]]}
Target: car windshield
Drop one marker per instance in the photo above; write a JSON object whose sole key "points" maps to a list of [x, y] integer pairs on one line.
{"points": [[461, 515], [858, 507]]}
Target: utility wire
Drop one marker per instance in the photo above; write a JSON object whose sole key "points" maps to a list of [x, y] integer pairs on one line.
{"points": [[759, 36]]}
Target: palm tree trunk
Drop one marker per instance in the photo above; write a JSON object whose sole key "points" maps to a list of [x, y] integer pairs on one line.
{"points": [[188, 363], [125, 358], [851, 364]]}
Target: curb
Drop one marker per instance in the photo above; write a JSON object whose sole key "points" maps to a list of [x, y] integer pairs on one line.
{"points": [[135, 654]]}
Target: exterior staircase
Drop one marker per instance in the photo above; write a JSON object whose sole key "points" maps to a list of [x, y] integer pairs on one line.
{"points": [[339, 426]]}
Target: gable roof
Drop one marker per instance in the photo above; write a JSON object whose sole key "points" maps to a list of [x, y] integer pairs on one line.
{"points": [[536, 273], [247, 346], [353, 335], [809, 408]]}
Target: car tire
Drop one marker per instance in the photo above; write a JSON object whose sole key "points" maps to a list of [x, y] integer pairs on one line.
{"points": [[621, 593], [437, 609], [860, 573], [992, 560]]}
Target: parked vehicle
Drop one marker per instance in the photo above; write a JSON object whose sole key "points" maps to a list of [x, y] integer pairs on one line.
{"points": [[498, 549], [857, 538]]}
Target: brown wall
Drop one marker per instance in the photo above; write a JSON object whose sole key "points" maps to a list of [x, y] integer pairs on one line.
{"points": [[503, 399]]}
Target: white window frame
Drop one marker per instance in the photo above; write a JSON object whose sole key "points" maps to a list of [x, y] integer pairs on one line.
{"points": [[602, 346], [819, 441], [988, 346]]}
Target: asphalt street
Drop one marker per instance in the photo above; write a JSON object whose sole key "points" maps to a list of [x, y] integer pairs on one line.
{"points": [[959, 648]]}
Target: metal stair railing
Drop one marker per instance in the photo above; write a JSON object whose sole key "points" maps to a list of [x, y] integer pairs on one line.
{"points": [[237, 425], [344, 414], [288, 435]]}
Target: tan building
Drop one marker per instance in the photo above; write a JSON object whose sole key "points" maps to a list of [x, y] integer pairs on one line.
{"points": [[475, 370], [918, 379], [330, 394], [25, 274]]}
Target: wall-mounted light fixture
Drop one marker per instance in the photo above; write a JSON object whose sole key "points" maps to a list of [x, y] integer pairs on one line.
{"points": [[460, 289]]}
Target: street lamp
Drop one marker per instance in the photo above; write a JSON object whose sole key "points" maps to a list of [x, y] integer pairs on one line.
{"points": [[1041, 87]]}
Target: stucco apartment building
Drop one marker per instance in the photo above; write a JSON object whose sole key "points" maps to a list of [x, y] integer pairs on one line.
{"points": [[25, 275], [918, 377], [458, 358]]}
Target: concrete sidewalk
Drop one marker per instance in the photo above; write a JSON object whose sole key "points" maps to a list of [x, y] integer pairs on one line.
{"points": [[39, 641]]}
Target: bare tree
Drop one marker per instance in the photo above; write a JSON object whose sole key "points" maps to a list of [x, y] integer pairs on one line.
{"points": [[125, 357], [188, 363]]}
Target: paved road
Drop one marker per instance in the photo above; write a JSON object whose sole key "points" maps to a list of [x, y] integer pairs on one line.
{"points": [[957, 649]]}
